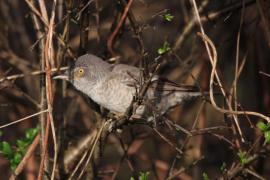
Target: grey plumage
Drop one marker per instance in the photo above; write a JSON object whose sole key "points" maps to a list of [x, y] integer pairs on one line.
{"points": [[114, 87]]}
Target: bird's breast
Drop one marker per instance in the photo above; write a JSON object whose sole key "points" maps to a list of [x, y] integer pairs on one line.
{"points": [[114, 96]]}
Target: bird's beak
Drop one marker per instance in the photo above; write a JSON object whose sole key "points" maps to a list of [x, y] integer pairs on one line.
{"points": [[64, 76]]}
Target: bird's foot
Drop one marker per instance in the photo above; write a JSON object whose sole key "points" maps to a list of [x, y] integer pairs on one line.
{"points": [[118, 120]]}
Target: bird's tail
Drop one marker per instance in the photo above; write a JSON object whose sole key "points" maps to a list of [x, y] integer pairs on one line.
{"points": [[188, 96]]}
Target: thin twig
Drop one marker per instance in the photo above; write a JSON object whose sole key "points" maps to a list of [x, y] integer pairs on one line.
{"points": [[206, 39], [116, 30], [23, 119], [196, 12], [106, 123], [213, 59], [49, 56], [265, 74], [38, 72], [44, 150], [168, 141], [26, 157], [183, 169]]}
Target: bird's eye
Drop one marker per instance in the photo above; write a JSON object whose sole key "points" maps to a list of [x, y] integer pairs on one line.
{"points": [[80, 72]]}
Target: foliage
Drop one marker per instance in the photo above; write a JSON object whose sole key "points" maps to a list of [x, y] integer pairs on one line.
{"points": [[142, 176], [223, 167], [243, 156], [265, 128], [168, 17], [205, 176], [15, 153], [164, 49]]}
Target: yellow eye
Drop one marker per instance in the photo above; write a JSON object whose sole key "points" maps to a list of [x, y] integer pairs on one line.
{"points": [[80, 72]]}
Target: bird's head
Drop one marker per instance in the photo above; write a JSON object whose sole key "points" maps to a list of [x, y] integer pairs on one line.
{"points": [[86, 71]]}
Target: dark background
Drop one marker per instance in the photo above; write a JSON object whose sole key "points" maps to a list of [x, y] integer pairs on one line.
{"points": [[86, 28]]}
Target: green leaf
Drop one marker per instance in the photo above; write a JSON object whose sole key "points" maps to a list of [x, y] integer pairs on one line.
{"points": [[267, 136], [168, 17], [205, 176], [161, 51], [15, 155], [1, 133], [144, 176], [164, 49], [15, 160], [6, 149], [243, 157], [21, 144], [223, 167], [31, 133], [262, 126]]}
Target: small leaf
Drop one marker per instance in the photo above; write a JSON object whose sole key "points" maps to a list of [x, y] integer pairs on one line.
{"points": [[164, 49], [143, 176], [243, 157], [168, 17], [15, 160], [132, 178], [262, 126], [161, 51], [223, 167], [21, 144], [267, 136], [31, 133], [205, 176], [6, 149], [1, 133]]}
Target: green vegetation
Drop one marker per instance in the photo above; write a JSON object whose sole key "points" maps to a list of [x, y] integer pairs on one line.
{"points": [[143, 176], [168, 17], [15, 153], [243, 156], [265, 128], [164, 49], [205, 176]]}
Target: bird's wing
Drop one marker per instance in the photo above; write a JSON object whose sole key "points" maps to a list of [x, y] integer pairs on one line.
{"points": [[131, 75], [163, 84]]}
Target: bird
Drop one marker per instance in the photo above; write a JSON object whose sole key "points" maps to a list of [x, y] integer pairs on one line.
{"points": [[114, 87]]}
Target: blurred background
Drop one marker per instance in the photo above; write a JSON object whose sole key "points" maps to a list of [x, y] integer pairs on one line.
{"points": [[212, 148]]}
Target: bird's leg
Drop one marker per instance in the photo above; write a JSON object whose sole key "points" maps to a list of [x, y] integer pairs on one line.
{"points": [[118, 120]]}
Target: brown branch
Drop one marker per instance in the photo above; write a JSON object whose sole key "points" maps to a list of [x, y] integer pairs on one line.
{"points": [[38, 72], [36, 15], [49, 62], [44, 150], [111, 38], [239, 168], [168, 141], [213, 58], [26, 157], [183, 169]]}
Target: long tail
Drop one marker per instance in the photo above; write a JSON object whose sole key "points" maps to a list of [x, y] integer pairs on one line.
{"points": [[188, 96]]}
